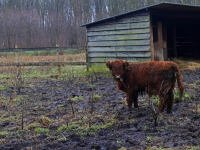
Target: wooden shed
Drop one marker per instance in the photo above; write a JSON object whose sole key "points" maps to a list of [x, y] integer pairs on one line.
{"points": [[156, 32]]}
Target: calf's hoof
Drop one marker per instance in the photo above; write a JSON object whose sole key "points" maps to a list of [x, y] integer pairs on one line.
{"points": [[129, 108], [169, 111]]}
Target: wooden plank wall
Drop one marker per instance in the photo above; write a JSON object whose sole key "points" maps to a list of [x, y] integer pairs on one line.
{"points": [[124, 38]]}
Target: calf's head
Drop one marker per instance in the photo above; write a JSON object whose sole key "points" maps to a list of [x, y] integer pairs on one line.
{"points": [[118, 68]]}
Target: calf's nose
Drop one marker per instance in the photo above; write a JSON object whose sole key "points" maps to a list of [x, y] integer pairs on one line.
{"points": [[117, 76]]}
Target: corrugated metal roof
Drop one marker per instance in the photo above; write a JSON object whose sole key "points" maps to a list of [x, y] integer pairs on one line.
{"points": [[160, 6]]}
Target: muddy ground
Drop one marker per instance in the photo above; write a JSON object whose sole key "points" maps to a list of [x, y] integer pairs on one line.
{"points": [[89, 113]]}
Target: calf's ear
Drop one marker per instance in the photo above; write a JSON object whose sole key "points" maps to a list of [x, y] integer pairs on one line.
{"points": [[125, 64], [108, 64]]}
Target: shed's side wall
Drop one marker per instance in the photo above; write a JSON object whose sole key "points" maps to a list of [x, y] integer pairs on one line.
{"points": [[124, 38]]}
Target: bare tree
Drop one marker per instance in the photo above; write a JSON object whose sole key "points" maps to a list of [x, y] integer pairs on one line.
{"points": [[47, 23]]}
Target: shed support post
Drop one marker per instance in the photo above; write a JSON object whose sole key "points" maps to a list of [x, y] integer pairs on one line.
{"points": [[165, 52], [160, 53], [151, 35]]}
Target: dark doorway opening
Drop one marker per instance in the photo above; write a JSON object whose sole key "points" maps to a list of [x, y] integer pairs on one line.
{"points": [[183, 39]]}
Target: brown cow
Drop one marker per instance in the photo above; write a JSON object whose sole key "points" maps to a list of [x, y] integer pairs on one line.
{"points": [[155, 78]]}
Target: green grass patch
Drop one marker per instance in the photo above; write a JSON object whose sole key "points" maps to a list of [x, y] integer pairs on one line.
{"points": [[61, 128], [192, 147], [80, 133], [109, 124], [4, 88], [155, 98], [67, 72], [96, 97], [143, 60], [77, 99], [72, 127], [3, 133], [186, 96], [149, 139], [33, 125], [99, 68], [62, 139], [93, 129], [60, 106], [45, 72], [41, 130]]}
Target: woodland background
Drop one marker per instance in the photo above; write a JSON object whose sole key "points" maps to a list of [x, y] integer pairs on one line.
{"points": [[47, 23]]}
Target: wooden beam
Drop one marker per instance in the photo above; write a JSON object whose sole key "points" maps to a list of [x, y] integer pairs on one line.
{"points": [[120, 43], [120, 48], [120, 54], [43, 64], [119, 37], [118, 32], [40, 49], [114, 27], [129, 59]]}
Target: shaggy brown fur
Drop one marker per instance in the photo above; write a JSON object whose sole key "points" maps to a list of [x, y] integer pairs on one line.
{"points": [[155, 78]]}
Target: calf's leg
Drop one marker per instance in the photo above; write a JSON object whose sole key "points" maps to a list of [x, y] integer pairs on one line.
{"points": [[163, 102], [128, 100], [170, 101], [132, 97]]}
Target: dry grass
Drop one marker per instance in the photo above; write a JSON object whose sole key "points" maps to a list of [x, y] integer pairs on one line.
{"points": [[187, 64], [30, 58]]}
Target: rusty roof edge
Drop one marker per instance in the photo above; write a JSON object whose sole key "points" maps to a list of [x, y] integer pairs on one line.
{"points": [[143, 8]]}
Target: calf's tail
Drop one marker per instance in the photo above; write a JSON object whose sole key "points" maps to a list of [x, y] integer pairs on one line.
{"points": [[180, 84]]}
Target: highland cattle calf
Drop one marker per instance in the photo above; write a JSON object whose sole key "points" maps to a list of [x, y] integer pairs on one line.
{"points": [[155, 78]]}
